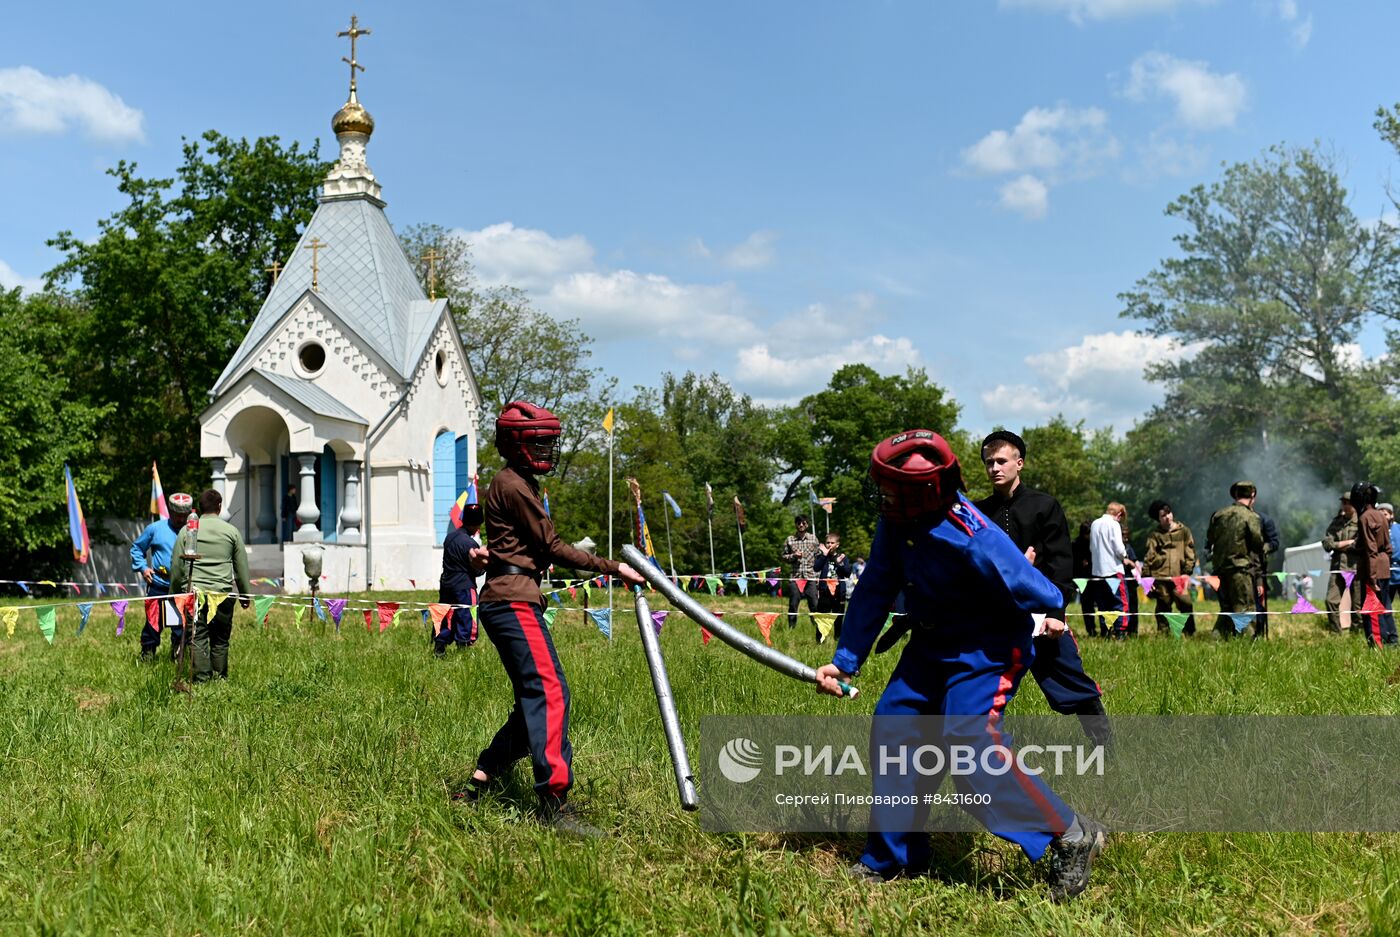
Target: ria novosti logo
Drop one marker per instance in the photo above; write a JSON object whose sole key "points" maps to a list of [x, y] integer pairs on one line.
{"points": [[740, 760]]}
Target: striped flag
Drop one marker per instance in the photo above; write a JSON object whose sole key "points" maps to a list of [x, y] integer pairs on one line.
{"points": [[158, 505], [643, 534], [710, 498], [77, 525], [465, 498]]}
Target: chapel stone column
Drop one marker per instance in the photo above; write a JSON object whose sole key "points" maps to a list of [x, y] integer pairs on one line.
{"points": [[307, 512], [350, 515], [219, 482]]}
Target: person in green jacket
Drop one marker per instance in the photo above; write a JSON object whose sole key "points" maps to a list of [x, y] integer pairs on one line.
{"points": [[222, 568], [1171, 555], [1235, 539]]}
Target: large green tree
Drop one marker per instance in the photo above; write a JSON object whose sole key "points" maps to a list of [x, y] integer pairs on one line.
{"points": [[823, 443], [168, 288], [45, 422], [1274, 279]]}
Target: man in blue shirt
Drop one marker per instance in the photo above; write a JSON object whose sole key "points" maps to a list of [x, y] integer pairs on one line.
{"points": [[457, 587], [980, 602], [151, 560]]}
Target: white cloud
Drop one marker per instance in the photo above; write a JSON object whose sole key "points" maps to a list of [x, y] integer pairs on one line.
{"points": [[611, 305], [1061, 139], [1204, 100], [525, 257], [32, 102], [1080, 10], [1099, 380], [1299, 27], [1166, 154], [1027, 195], [755, 251], [9, 279], [799, 371]]}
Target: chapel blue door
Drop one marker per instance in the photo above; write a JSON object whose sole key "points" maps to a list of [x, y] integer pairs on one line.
{"points": [[444, 478], [327, 497]]}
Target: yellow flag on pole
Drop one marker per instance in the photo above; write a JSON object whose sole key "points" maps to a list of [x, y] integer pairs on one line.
{"points": [[608, 421]]}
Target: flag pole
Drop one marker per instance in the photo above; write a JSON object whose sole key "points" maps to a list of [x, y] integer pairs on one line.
{"points": [[812, 505], [670, 557], [710, 523], [739, 524], [610, 512]]}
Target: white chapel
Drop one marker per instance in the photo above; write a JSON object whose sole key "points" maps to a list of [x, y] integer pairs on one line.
{"points": [[351, 387]]}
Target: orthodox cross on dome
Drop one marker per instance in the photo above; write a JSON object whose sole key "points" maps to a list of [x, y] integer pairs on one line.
{"points": [[315, 245], [354, 32], [275, 270], [431, 257]]}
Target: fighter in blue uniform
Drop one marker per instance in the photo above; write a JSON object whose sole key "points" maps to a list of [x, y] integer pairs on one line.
{"points": [[977, 595]]}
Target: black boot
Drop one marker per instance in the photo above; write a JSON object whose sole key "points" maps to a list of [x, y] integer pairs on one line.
{"points": [[1095, 722], [564, 817]]}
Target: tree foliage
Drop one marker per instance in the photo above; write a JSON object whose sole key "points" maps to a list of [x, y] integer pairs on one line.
{"points": [[45, 421], [1276, 277], [168, 288]]}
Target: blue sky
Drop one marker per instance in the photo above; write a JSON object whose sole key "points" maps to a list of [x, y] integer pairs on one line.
{"points": [[763, 190]]}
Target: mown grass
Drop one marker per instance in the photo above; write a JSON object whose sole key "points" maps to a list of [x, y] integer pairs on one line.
{"points": [[307, 795]]}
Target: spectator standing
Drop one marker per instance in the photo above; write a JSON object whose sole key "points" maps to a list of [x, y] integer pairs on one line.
{"points": [[1235, 540], [1261, 573], [457, 587], [1108, 588], [151, 560], [1171, 555], [800, 551], [1373, 562], [831, 563], [222, 569], [1340, 543]]}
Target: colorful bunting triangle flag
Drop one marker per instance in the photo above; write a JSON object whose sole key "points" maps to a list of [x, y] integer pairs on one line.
{"points": [[602, 617], [119, 609], [1372, 603], [713, 583], [1147, 582], [1212, 581], [387, 612], [316, 604], [1180, 582], [549, 614], [84, 612], [337, 609], [1176, 621], [1302, 606], [743, 585], [261, 604], [1281, 577], [1347, 576], [438, 612], [658, 619], [705, 635], [10, 615], [369, 620], [298, 613], [1108, 620], [765, 625], [1241, 620], [801, 586], [46, 615], [826, 624], [830, 586], [25, 586]]}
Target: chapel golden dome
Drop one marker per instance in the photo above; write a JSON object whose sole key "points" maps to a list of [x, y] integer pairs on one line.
{"points": [[352, 118]]}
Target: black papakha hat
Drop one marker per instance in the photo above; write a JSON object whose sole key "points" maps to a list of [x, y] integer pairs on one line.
{"points": [[1008, 437]]}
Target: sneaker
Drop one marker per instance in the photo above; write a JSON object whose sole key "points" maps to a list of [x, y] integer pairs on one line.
{"points": [[865, 874], [565, 818], [1070, 862]]}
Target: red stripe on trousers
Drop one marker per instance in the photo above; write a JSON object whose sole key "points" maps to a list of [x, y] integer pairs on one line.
{"points": [[1004, 687], [553, 693]]}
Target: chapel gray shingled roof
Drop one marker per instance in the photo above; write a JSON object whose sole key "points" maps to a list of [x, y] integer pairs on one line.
{"points": [[311, 396], [364, 275]]}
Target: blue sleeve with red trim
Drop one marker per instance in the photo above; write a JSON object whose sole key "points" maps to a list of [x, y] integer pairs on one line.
{"points": [[871, 600], [1008, 577]]}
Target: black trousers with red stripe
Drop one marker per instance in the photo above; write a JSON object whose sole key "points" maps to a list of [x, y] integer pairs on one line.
{"points": [[538, 724]]}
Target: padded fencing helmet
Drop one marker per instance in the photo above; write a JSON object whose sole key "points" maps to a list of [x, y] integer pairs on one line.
{"points": [[913, 474], [527, 437]]}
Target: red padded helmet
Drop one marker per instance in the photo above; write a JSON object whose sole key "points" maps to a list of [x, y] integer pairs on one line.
{"points": [[527, 437], [914, 474]]}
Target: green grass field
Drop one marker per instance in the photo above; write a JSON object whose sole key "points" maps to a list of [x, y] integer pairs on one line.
{"points": [[307, 795]]}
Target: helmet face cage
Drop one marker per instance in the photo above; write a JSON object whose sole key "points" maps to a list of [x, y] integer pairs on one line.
{"points": [[540, 453]]}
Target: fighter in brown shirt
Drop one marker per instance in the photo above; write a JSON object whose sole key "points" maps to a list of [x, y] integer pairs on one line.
{"points": [[523, 542]]}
